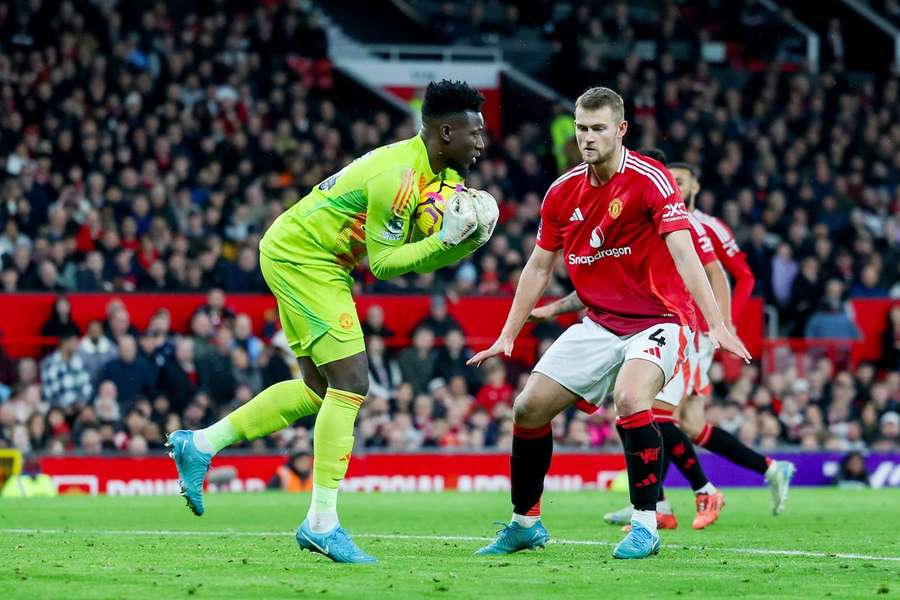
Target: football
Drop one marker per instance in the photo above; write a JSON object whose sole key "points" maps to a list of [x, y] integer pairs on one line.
{"points": [[429, 213]]}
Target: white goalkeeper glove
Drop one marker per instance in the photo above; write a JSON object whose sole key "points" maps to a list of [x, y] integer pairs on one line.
{"points": [[487, 211], [460, 220]]}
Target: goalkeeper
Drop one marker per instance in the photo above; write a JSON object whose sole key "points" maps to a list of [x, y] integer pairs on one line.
{"points": [[306, 257]]}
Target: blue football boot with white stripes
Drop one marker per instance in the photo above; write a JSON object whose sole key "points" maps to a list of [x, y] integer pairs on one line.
{"points": [[192, 466]]}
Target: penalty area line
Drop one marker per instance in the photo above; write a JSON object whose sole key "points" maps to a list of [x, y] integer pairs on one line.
{"points": [[437, 538]]}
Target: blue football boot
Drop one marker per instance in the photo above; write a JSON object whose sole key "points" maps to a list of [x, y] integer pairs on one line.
{"points": [[192, 466], [639, 543], [335, 544], [513, 537]]}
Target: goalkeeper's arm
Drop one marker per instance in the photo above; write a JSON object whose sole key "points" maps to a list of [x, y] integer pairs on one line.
{"points": [[388, 255]]}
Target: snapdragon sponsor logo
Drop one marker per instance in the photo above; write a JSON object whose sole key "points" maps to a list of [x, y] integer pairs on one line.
{"points": [[574, 259]]}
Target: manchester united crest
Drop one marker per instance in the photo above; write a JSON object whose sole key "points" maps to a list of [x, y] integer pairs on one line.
{"points": [[615, 208], [346, 321]]}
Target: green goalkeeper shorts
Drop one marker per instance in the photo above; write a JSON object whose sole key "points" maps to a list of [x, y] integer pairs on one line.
{"points": [[316, 309]]}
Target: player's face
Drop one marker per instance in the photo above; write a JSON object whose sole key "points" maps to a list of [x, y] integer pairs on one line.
{"points": [[465, 141], [598, 133], [686, 184]]}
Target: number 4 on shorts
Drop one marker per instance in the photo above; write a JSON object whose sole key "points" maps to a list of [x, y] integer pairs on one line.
{"points": [[656, 337]]}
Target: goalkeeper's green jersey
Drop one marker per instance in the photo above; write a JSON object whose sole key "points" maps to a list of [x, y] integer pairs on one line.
{"points": [[365, 209]]}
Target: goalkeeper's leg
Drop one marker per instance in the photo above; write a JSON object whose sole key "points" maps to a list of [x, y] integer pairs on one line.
{"points": [[348, 383], [272, 409]]}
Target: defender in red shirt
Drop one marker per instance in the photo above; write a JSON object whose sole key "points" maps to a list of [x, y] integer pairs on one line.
{"points": [[689, 390], [622, 228]]}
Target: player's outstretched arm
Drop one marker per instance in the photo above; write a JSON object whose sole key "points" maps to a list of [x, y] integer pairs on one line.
{"points": [[718, 281], [681, 247], [558, 307], [532, 283]]}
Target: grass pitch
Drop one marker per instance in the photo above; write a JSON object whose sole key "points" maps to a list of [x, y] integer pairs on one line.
{"points": [[829, 543]]}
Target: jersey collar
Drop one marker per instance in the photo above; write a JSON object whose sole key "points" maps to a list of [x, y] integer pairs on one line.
{"points": [[589, 173]]}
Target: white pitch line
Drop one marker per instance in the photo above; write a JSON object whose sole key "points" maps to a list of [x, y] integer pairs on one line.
{"points": [[441, 538]]}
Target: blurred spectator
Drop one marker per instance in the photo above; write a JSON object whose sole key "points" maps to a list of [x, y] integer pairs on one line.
{"points": [[60, 321], [852, 472], [374, 323], [133, 376], [295, 475], [65, 380], [384, 373], [244, 338], [439, 320], [177, 379], [495, 390], [245, 276], [90, 278], [219, 314], [214, 374], [417, 363], [95, 349], [831, 319], [452, 357]]}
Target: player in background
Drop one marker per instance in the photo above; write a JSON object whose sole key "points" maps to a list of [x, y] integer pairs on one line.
{"points": [[778, 474], [623, 229], [690, 415], [306, 257]]}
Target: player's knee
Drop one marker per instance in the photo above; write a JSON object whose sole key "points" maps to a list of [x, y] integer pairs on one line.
{"points": [[354, 383], [358, 386], [627, 402], [526, 411], [691, 420], [690, 426]]}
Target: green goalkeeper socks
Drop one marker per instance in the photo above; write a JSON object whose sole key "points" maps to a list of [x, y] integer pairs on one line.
{"points": [[271, 410], [332, 444]]}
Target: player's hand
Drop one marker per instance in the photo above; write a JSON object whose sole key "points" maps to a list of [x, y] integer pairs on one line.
{"points": [[539, 314], [487, 211], [721, 337], [502, 346], [460, 220]]}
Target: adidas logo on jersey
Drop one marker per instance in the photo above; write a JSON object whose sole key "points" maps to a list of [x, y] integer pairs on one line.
{"points": [[653, 352], [577, 216]]}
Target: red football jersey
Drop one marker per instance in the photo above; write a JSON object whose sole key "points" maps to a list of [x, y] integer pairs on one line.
{"points": [[733, 259], [611, 236]]}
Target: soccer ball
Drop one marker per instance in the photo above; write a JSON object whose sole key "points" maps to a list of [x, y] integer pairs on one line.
{"points": [[429, 213]]}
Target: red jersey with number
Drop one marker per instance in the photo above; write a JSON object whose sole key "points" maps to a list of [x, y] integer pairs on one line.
{"points": [[611, 237]]}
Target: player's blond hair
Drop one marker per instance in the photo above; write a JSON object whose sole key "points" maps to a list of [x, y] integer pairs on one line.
{"points": [[598, 97]]}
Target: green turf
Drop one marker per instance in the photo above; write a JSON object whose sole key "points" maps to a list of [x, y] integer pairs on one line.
{"points": [[89, 554]]}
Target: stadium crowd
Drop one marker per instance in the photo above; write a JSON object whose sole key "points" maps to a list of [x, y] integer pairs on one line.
{"points": [[148, 151]]}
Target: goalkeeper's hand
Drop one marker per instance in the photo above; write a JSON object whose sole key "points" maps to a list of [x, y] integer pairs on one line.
{"points": [[487, 211], [460, 220]]}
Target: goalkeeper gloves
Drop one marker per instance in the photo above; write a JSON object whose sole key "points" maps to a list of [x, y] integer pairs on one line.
{"points": [[487, 211], [460, 220]]}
